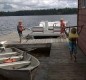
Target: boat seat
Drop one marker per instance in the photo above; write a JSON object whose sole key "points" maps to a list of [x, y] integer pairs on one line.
{"points": [[37, 29], [15, 65], [8, 54], [11, 57]]}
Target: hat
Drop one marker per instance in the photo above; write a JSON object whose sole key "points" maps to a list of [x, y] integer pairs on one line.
{"points": [[20, 21], [61, 19]]}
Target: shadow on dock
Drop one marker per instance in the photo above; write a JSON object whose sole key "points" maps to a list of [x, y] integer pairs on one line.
{"points": [[37, 50], [40, 52]]}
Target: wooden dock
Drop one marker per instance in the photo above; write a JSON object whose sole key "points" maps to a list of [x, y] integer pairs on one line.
{"points": [[58, 65]]}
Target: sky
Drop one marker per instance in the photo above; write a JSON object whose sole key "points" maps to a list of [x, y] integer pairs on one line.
{"points": [[15, 5]]}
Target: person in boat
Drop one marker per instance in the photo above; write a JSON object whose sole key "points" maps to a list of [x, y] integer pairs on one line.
{"points": [[20, 28], [73, 36], [62, 26]]}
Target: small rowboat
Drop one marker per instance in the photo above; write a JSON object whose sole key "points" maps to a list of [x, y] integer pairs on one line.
{"points": [[22, 69]]}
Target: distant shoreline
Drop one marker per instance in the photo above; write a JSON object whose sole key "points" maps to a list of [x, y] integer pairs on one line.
{"points": [[64, 11], [40, 15]]}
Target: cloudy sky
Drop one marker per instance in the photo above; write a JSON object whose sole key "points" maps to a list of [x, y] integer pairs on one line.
{"points": [[14, 5]]}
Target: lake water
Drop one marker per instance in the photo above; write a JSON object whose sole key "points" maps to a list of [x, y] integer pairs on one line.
{"points": [[8, 24]]}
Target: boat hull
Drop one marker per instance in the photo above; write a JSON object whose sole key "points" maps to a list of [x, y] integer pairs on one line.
{"points": [[15, 74]]}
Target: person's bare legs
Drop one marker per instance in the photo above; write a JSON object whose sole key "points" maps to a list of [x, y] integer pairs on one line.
{"points": [[20, 39], [75, 52], [20, 36], [71, 55], [74, 57]]}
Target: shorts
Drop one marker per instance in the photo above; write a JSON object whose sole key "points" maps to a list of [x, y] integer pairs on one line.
{"points": [[20, 34], [72, 48], [62, 30]]}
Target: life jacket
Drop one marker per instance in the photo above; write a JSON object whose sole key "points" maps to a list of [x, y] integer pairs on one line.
{"points": [[62, 24], [9, 60], [20, 28], [73, 37]]}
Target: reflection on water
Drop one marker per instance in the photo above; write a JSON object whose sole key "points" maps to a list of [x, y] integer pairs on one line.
{"points": [[8, 24]]}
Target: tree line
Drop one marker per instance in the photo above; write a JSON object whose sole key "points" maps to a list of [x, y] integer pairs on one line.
{"points": [[41, 12]]}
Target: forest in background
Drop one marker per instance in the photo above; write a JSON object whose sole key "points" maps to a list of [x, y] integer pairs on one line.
{"points": [[54, 11]]}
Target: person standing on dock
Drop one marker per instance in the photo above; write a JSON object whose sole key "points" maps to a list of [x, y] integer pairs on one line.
{"points": [[20, 28], [62, 27], [72, 43], [73, 36]]}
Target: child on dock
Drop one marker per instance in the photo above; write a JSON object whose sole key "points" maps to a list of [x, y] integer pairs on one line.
{"points": [[62, 26], [72, 43], [20, 28], [72, 36]]}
